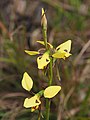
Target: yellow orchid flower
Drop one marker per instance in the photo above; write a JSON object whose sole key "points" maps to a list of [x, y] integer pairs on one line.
{"points": [[32, 102], [42, 60], [62, 51], [51, 91]]}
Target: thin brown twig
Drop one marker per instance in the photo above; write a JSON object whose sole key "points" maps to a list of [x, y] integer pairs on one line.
{"points": [[10, 95], [68, 96], [81, 53]]}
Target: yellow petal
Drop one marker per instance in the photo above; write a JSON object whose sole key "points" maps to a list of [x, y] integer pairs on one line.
{"points": [[67, 54], [27, 82], [42, 42], [43, 11], [32, 52], [61, 54], [43, 60], [32, 102], [66, 46], [51, 91]]}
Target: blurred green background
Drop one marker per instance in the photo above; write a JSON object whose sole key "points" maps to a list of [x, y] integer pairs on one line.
{"points": [[20, 28]]}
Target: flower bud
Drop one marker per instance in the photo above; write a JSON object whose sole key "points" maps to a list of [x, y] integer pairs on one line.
{"points": [[43, 20]]}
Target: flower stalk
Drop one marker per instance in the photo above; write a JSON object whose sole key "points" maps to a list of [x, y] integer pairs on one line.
{"points": [[50, 76], [48, 101], [44, 27], [45, 61]]}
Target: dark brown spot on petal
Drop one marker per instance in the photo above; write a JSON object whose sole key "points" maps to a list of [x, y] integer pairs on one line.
{"points": [[65, 50], [40, 57], [47, 60], [58, 48], [37, 101]]}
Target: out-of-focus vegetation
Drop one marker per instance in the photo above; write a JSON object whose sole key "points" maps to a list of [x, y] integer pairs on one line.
{"points": [[19, 30]]}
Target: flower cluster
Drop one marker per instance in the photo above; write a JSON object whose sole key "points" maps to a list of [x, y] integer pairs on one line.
{"points": [[46, 56], [34, 102], [62, 51]]}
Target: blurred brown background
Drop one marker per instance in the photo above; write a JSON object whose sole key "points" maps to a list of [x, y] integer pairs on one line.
{"points": [[20, 28]]}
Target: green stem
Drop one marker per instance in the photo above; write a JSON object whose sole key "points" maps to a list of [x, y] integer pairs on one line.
{"points": [[51, 71], [47, 109], [39, 115], [48, 102], [39, 118], [45, 36]]}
